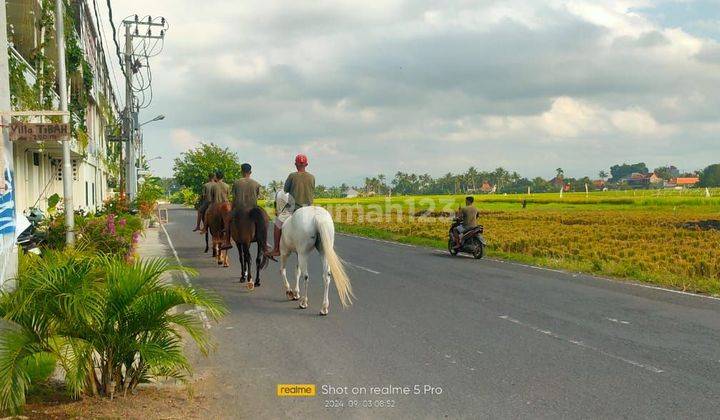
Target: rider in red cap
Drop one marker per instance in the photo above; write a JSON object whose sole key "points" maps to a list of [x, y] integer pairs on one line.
{"points": [[301, 160], [301, 187]]}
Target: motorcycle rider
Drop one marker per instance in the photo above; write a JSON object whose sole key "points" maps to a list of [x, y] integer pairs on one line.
{"points": [[301, 187], [204, 202], [468, 215]]}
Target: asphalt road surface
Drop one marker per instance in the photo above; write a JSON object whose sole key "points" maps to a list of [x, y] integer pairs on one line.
{"points": [[481, 339]]}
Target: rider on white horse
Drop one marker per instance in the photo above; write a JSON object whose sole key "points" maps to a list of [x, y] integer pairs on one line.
{"points": [[301, 187], [311, 228]]}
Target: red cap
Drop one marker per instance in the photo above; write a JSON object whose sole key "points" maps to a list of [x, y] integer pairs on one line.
{"points": [[301, 159]]}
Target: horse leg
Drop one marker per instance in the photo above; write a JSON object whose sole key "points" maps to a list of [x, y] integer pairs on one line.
{"points": [[283, 272], [225, 258], [326, 280], [248, 261], [242, 263], [303, 271], [258, 261], [296, 291], [207, 246]]}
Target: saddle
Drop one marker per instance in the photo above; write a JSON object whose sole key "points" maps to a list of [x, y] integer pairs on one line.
{"points": [[477, 229]]}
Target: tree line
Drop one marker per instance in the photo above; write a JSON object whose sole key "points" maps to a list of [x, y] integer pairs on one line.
{"points": [[192, 167]]}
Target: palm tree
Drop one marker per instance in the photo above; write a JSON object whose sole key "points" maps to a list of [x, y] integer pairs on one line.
{"points": [[603, 175], [381, 183], [560, 174], [109, 325], [275, 185], [472, 175]]}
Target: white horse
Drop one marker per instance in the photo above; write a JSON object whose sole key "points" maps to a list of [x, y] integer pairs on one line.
{"points": [[311, 228]]}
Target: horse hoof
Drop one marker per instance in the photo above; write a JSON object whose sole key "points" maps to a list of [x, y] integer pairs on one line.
{"points": [[251, 286], [296, 296], [242, 279], [257, 284], [289, 295], [303, 305], [323, 312]]}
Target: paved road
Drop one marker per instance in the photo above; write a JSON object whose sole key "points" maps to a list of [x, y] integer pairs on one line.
{"points": [[501, 340]]}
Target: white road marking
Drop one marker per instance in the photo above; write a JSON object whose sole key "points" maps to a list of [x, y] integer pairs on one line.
{"points": [[618, 321], [201, 311], [582, 345], [377, 240], [460, 255], [361, 267]]}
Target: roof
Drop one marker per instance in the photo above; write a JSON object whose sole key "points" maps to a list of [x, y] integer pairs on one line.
{"points": [[687, 180]]}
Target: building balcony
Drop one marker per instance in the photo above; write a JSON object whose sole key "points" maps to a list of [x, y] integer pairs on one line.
{"points": [[30, 79]]}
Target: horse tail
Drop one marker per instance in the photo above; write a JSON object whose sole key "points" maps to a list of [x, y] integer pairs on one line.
{"points": [[260, 218], [326, 229]]}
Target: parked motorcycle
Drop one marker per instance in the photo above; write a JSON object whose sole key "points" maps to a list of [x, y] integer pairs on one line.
{"points": [[471, 242], [30, 238]]}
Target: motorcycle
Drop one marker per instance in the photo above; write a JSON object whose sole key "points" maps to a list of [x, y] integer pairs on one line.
{"points": [[30, 239], [471, 242]]}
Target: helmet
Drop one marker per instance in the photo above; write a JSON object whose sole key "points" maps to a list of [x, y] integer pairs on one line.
{"points": [[301, 159]]}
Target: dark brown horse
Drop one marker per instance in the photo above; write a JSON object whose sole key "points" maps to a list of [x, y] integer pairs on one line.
{"points": [[215, 225], [248, 226]]}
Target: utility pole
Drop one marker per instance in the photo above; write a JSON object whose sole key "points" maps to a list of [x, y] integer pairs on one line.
{"points": [[130, 172], [132, 108], [67, 159], [8, 250]]}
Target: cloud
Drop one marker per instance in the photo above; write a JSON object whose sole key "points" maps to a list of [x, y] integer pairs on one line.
{"points": [[434, 86]]}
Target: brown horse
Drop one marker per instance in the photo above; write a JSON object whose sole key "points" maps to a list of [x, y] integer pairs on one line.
{"points": [[248, 226], [215, 225]]}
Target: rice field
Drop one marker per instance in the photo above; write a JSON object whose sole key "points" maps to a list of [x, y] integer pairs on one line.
{"points": [[668, 238]]}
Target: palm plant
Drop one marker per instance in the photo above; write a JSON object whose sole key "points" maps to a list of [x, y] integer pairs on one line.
{"points": [[109, 324]]}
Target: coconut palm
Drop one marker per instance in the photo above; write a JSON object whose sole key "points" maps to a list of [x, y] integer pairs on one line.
{"points": [[109, 324]]}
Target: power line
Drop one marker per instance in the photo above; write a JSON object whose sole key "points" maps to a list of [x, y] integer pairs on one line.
{"points": [[144, 46], [117, 46], [104, 46]]}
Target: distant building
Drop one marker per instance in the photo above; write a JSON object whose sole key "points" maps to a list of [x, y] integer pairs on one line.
{"points": [[351, 193], [637, 179], [559, 182], [599, 184], [487, 187], [685, 182]]}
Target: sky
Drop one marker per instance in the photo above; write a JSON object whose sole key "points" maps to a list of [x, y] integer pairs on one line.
{"points": [[375, 87]]}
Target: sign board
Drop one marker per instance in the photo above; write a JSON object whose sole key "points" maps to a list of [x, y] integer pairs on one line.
{"points": [[39, 132]]}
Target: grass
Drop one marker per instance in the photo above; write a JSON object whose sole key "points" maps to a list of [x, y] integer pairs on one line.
{"points": [[649, 236]]}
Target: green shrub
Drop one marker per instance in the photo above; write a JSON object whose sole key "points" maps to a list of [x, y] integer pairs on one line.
{"points": [[148, 195], [106, 234], [185, 196], [109, 324]]}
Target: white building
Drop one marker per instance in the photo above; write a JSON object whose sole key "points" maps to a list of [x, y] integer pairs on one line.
{"points": [[38, 165], [351, 193]]}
